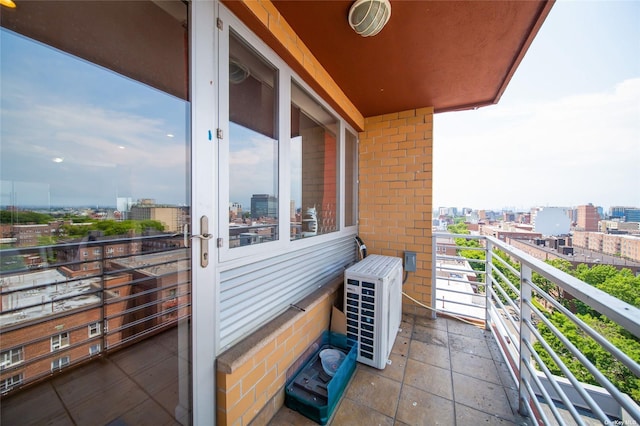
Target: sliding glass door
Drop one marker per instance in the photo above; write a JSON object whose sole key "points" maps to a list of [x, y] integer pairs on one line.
{"points": [[95, 197]]}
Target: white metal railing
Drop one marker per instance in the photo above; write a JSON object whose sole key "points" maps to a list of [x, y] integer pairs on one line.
{"points": [[123, 289], [513, 311]]}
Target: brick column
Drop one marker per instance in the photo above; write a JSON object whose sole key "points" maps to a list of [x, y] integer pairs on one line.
{"points": [[395, 193]]}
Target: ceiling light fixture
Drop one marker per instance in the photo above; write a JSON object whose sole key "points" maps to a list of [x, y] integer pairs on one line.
{"points": [[8, 3], [237, 72], [368, 17]]}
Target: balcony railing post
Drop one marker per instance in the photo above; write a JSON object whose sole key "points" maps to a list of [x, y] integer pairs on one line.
{"points": [[434, 275], [487, 282], [525, 336]]}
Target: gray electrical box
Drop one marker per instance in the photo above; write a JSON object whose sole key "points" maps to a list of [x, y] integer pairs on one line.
{"points": [[410, 261]]}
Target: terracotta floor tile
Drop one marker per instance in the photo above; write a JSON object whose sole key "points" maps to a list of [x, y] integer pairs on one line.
{"points": [[420, 408], [467, 416], [429, 378], [352, 412], [475, 366], [483, 396], [431, 336], [469, 345], [430, 354], [37, 406], [374, 391]]}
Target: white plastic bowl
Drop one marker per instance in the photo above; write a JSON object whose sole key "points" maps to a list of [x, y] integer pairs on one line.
{"points": [[331, 360]]}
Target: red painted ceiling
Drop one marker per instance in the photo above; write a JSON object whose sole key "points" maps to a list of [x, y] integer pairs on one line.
{"points": [[447, 54]]}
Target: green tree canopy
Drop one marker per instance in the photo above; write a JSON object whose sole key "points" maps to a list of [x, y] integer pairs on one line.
{"points": [[24, 217]]}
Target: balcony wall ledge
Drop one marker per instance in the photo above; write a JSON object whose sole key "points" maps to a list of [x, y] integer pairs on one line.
{"points": [[243, 351]]}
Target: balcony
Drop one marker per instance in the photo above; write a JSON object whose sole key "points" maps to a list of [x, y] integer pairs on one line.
{"points": [[441, 371], [474, 361]]}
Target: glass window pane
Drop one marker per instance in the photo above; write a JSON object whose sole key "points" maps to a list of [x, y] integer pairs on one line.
{"points": [[94, 191], [314, 165], [253, 147], [351, 180]]}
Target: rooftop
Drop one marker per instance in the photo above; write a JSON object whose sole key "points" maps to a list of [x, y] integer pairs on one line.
{"points": [[43, 293]]}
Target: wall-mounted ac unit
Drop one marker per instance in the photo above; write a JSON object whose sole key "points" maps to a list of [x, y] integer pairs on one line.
{"points": [[373, 307]]}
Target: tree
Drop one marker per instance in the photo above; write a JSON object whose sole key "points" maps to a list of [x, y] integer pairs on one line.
{"points": [[23, 217], [615, 371]]}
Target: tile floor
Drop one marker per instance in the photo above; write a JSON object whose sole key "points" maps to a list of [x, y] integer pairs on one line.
{"points": [[137, 386], [442, 372]]}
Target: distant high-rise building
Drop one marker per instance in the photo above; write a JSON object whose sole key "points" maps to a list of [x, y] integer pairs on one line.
{"points": [[632, 215], [172, 217], [625, 214], [617, 212], [588, 218], [264, 205]]}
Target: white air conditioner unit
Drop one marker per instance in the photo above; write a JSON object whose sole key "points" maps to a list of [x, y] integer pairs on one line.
{"points": [[373, 307]]}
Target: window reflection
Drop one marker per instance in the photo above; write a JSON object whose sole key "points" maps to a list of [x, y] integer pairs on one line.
{"points": [[253, 147], [314, 165], [93, 192], [350, 180]]}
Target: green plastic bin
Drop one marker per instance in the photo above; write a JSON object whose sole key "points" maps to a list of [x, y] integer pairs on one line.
{"points": [[314, 393]]}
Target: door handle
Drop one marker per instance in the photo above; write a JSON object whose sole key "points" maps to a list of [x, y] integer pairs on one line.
{"points": [[205, 236], [204, 240]]}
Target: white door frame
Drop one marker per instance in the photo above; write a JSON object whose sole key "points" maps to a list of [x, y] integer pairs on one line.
{"points": [[204, 163]]}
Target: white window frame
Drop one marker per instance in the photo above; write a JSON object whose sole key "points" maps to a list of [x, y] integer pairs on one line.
{"points": [[94, 329], [285, 77], [60, 363], [7, 357], [8, 383], [60, 341], [95, 349]]}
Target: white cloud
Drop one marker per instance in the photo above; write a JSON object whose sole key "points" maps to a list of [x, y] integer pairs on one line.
{"points": [[567, 151], [104, 150]]}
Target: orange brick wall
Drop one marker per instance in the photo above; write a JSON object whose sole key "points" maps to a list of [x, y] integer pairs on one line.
{"points": [[253, 389], [396, 163]]}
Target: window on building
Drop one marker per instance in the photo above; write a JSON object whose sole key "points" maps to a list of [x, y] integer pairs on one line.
{"points": [[314, 166], [94, 349], [96, 252], [10, 382], [59, 363], [11, 357], [94, 329], [59, 341], [253, 146]]}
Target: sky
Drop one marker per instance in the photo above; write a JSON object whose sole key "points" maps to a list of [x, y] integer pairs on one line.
{"points": [[75, 134], [566, 132]]}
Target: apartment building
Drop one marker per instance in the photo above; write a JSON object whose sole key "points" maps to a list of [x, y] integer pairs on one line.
{"points": [[587, 218]]}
